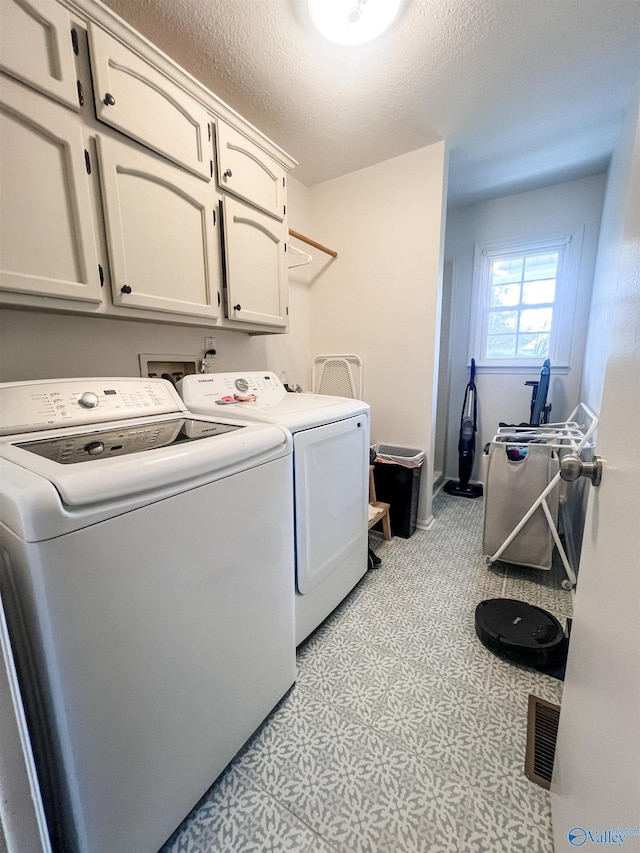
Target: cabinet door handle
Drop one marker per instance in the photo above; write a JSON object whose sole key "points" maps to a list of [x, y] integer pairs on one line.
{"points": [[125, 288], [108, 100], [237, 307], [228, 173]]}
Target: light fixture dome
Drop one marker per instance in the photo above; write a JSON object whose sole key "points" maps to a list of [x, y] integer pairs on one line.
{"points": [[352, 21]]}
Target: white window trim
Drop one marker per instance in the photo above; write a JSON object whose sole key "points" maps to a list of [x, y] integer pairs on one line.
{"points": [[570, 241]]}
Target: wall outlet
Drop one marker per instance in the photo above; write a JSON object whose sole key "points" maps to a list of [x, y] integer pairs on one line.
{"points": [[209, 344]]}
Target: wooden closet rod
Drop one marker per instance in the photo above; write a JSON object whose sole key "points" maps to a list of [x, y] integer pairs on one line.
{"points": [[313, 243]]}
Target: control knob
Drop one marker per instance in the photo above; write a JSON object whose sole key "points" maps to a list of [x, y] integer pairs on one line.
{"points": [[242, 385], [94, 448], [88, 400]]}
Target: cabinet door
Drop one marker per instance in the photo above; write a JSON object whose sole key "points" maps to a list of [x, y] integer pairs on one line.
{"points": [[138, 100], [36, 47], [162, 233], [47, 244], [246, 171], [256, 274]]}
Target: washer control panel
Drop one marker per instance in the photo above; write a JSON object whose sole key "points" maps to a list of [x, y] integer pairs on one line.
{"points": [[46, 404]]}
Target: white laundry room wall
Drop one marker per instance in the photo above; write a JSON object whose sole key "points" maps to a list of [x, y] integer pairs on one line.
{"points": [[379, 298], [45, 345], [608, 262], [598, 340], [504, 396]]}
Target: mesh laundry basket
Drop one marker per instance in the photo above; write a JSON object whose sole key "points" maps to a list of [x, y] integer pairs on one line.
{"points": [[515, 476], [337, 375]]}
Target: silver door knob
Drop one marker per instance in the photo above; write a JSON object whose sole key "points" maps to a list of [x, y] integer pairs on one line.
{"points": [[108, 100], [572, 468]]}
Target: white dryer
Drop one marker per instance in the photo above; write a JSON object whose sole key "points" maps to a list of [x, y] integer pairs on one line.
{"points": [[152, 637], [330, 475]]}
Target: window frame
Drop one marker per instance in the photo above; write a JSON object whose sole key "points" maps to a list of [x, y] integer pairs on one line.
{"points": [[569, 246]]}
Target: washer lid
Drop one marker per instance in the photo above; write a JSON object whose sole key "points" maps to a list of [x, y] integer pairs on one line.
{"points": [[127, 458], [123, 440]]}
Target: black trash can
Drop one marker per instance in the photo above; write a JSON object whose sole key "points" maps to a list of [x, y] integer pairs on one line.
{"points": [[397, 477]]}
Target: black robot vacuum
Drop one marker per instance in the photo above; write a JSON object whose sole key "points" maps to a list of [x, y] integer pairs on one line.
{"points": [[520, 632]]}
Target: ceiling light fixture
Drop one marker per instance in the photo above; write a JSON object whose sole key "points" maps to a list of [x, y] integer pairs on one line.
{"points": [[352, 21]]}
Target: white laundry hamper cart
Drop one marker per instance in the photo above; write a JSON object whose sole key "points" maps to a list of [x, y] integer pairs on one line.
{"points": [[515, 476], [522, 490]]}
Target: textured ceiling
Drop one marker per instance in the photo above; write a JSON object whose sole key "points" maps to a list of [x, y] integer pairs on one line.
{"points": [[526, 92]]}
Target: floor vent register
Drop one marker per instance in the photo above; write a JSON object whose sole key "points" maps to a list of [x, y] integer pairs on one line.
{"points": [[542, 731]]}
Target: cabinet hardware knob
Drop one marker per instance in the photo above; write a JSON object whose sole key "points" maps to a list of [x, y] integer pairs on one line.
{"points": [[228, 173], [126, 288], [237, 307], [108, 100]]}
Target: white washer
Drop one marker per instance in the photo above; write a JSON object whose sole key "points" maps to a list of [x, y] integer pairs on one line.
{"points": [[152, 633], [331, 478]]}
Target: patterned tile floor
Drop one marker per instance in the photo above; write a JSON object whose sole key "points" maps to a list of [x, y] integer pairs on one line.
{"points": [[403, 734]]}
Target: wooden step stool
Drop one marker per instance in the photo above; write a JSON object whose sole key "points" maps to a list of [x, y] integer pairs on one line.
{"points": [[383, 509]]}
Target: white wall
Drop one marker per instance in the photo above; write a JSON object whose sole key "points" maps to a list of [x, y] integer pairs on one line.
{"points": [[611, 237], [379, 298], [504, 397], [42, 345], [442, 414]]}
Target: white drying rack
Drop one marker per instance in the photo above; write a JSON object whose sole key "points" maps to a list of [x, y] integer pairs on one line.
{"points": [[568, 438]]}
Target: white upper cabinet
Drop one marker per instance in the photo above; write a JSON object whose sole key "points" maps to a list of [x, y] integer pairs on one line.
{"points": [[142, 102], [119, 214], [244, 170], [256, 273], [36, 47], [47, 244], [162, 233]]}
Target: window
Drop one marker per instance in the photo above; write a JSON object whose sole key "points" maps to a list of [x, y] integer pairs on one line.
{"points": [[524, 300]]}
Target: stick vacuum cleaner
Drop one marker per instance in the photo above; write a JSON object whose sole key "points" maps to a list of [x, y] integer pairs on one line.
{"points": [[467, 443]]}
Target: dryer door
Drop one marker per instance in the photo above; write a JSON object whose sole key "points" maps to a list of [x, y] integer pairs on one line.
{"points": [[331, 490]]}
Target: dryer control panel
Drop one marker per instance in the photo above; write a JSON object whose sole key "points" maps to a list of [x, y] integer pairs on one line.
{"points": [[46, 404], [265, 386]]}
